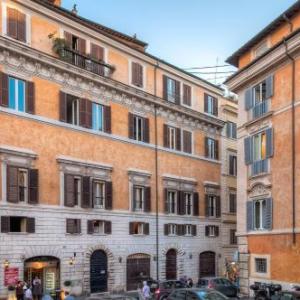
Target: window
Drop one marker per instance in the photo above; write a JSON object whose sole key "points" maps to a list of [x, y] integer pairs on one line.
{"points": [[99, 194], [211, 148], [16, 24], [261, 265], [232, 203], [259, 93], [97, 117], [259, 209], [260, 146], [23, 185], [99, 227], [210, 105], [211, 206], [138, 228], [231, 130], [77, 190], [17, 93], [73, 226], [72, 110], [232, 165], [233, 237], [16, 224], [172, 202], [172, 229], [188, 198], [138, 128], [171, 90], [187, 95], [211, 231], [137, 74], [138, 198], [187, 141], [172, 137], [188, 229]]}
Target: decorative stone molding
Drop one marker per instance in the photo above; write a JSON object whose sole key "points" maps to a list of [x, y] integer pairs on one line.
{"points": [[211, 188], [179, 183], [139, 177], [35, 251], [259, 189]]}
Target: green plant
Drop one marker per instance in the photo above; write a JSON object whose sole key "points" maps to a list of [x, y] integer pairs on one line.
{"points": [[59, 44]]}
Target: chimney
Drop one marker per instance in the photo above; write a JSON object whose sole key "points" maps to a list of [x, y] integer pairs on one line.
{"points": [[55, 2]]}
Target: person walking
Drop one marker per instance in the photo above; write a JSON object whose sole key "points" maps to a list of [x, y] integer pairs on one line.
{"points": [[28, 293], [146, 291], [37, 289], [20, 290]]}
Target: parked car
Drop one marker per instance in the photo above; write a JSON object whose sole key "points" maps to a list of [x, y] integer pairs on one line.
{"points": [[220, 284], [196, 294], [163, 289]]}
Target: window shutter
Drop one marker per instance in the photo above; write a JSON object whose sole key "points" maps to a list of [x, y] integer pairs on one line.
{"points": [[21, 27], [250, 220], [62, 107], [166, 136], [234, 129], [146, 131], [86, 192], [249, 99], [165, 87], [207, 230], [134, 74], [187, 94], [97, 52], [140, 76], [108, 195], [180, 203], [216, 149], [205, 103], [194, 230], [90, 226], [30, 225], [187, 141], [5, 224], [33, 186], [130, 125], [107, 119], [206, 146], [30, 97], [178, 139], [207, 205], [107, 227], [228, 127], [81, 46], [269, 86], [146, 228], [177, 92], [166, 229], [131, 227], [82, 112], [215, 106], [166, 201], [12, 22], [196, 204], [89, 112], [12, 185], [218, 206], [216, 230], [179, 230], [133, 198], [248, 146], [69, 190], [3, 89], [270, 148], [268, 214], [183, 229], [78, 226], [68, 38], [147, 195], [70, 226]]}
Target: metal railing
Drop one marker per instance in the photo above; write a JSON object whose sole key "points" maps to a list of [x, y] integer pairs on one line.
{"points": [[259, 167], [260, 109]]}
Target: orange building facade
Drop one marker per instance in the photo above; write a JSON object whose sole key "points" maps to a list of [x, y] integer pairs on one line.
{"points": [[110, 158], [268, 140]]}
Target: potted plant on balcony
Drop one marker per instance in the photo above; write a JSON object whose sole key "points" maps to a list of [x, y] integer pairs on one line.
{"points": [[59, 45]]}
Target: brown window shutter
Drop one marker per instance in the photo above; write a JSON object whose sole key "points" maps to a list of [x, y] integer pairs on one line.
{"points": [[30, 225], [180, 203], [82, 112], [90, 227], [177, 92], [166, 136], [206, 146], [134, 73], [140, 76], [88, 116], [207, 230], [166, 229], [178, 139], [107, 119], [205, 102], [187, 95], [107, 227], [33, 186], [3, 89], [30, 97], [146, 131], [183, 229], [206, 205], [81, 46], [216, 149], [146, 228], [108, 195], [217, 230], [12, 185], [62, 106], [179, 229], [21, 27], [147, 195], [97, 52], [196, 204], [5, 224], [166, 201], [68, 38], [194, 230], [86, 201], [218, 206], [78, 226], [70, 226], [131, 126], [187, 141], [69, 190], [131, 227], [215, 106], [12, 22], [165, 89]]}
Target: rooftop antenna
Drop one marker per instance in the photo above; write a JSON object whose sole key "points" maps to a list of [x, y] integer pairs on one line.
{"points": [[74, 9], [134, 36]]}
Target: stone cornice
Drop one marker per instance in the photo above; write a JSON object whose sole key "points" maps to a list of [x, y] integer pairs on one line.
{"points": [[265, 64], [20, 57]]}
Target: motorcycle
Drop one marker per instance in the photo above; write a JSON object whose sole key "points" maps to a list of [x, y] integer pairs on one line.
{"points": [[264, 291]]}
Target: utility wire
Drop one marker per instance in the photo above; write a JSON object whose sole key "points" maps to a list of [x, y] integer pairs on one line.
{"points": [[212, 72], [210, 67]]}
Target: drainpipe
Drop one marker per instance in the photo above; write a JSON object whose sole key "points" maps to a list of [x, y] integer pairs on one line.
{"points": [[156, 177], [293, 143]]}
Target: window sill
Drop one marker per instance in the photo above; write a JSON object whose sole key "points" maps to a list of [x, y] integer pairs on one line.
{"points": [[17, 233], [16, 40], [99, 234], [139, 234], [73, 234], [259, 175]]}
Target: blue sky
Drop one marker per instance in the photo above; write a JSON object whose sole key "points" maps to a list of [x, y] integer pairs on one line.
{"points": [[187, 33]]}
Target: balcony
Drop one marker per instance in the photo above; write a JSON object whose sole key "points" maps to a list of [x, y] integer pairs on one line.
{"points": [[260, 167], [85, 62], [259, 110]]}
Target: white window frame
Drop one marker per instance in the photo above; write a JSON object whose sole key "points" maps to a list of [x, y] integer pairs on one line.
{"points": [[175, 193], [5, 5], [135, 194], [211, 230], [136, 130], [79, 190], [188, 196], [188, 230], [97, 116], [171, 97], [172, 229], [260, 98], [172, 137], [16, 80], [212, 199], [261, 203], [97, 182], [76, 112], [254, 273], [25, 183], [211, 148], [101, 227], [258, 156]]}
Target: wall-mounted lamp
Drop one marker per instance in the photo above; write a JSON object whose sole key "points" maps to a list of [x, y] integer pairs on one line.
{"points": [[190, 255], [6, 263], [72, 261], [120, 259]]}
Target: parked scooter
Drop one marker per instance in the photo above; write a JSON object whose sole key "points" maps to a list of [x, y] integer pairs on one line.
{"points": [[263, 291]]}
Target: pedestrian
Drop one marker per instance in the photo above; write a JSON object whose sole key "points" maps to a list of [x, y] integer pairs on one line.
{"points": [[146, 291], [190, 283], [68, 296], [20, 290], [28, 293], [37, 289]]}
